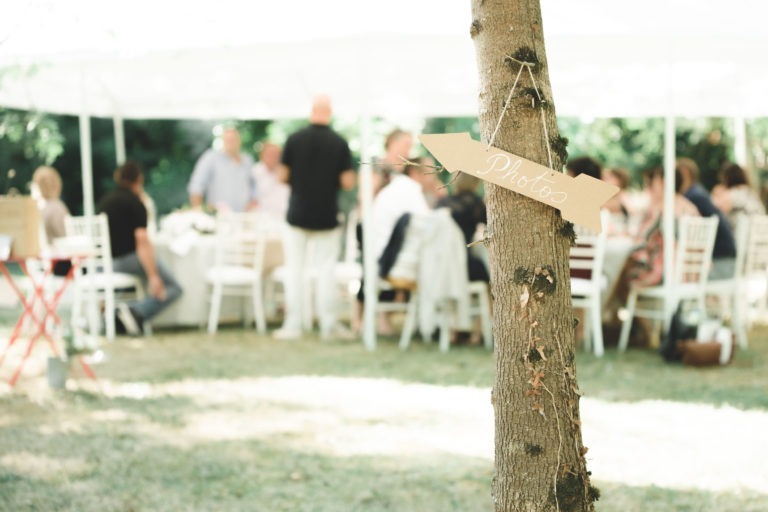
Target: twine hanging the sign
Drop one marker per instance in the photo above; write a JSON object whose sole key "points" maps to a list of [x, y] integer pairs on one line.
{"points": [[528, 66]]}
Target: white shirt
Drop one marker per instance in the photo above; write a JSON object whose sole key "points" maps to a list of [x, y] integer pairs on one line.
{"points": [[273, 193], [402, 195]]}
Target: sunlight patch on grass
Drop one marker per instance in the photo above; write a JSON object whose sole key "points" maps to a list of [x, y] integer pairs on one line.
{"points": [[668, 444], [41, 466]]}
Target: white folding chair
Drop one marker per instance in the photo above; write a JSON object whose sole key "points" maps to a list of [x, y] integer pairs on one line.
{"points": [[693, 258], [239, 266], [96, 276], [729, 292], [480, 306], [754, 292], [589, 255], [442, 292]]}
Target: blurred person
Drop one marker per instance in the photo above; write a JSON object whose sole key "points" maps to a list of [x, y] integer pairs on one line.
{"points": [[46, 190], [584, 165], [734, 196], [316, 163], [133, 252], [397, 149], [645, 264], [273, 192], [617, 204], [724, 253], [403, 195], [223, 180]]}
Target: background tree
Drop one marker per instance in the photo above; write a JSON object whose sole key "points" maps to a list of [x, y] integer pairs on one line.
{"points": [[539, 456]]}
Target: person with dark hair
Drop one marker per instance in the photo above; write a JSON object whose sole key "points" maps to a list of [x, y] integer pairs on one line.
{"points": [[724, 253], [584, 165], [133, 252], [734, 195]]}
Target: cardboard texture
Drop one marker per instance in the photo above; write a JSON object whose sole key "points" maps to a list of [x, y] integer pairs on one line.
{"points": [[578, 199], [20, 219]]}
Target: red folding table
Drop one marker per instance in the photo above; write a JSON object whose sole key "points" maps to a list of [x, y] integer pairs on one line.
{"points": [[49, 303]]}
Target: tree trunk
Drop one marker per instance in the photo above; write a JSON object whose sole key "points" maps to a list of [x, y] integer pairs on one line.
{"points": [[539, 456]]}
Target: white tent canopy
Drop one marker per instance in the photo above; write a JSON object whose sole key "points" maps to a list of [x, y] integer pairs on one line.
{"points": [[229, 59]]}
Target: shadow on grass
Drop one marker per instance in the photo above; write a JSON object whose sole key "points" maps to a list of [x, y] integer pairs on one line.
{"points": [[133, 473]]}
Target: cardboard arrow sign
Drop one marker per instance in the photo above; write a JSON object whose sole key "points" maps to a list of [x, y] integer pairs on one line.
{"points": [[579, 199]]}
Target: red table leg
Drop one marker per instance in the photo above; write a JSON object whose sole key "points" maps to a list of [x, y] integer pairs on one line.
{"points": [[49, 311]]}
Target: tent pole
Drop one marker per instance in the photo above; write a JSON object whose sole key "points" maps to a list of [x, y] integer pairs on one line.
{"points": [[87, 163], [669, 212], [117, 122], [370, 275]]}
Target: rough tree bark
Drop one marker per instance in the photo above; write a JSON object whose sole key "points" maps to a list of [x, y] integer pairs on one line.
{"points": [[539, 455]]}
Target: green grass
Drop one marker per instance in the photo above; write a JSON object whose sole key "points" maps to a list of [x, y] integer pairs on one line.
{"points": [[84, 450]]}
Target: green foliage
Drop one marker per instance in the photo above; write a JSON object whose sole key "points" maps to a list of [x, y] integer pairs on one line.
{"points": [[27, 140], [634, 144]]}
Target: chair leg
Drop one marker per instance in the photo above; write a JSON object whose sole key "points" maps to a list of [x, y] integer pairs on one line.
{"points": [[596, 321], [258, 309], [410, 322], [626, 325], [213, 315], [109, 313], [485, 319], [445, 325], [738, 318], [585, 320]]}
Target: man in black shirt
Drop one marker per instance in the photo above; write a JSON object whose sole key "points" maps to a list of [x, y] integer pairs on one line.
{"points": [[132, 251], [316, 164]]}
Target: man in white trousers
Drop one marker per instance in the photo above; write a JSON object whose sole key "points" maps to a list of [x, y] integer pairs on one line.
{"points": [[316, 164]]}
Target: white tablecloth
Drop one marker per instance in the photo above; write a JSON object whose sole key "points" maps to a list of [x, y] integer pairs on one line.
{"points": [[189, 259]]}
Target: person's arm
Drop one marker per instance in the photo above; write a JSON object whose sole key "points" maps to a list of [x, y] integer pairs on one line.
{"points": [[200, 178], [146, 255], [347, 179], [253, 193], [196, 200], [283, 173]]}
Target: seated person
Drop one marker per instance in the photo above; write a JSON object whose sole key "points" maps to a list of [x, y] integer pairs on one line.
{"points": [[724, 253], [46, 189], [403, 195], [133, 252], [734, 196], [645, 264], [616, 205]]}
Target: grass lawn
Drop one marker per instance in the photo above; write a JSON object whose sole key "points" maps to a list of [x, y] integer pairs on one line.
{"points": [[183, 421]]}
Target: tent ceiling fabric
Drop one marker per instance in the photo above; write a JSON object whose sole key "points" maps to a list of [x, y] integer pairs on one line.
{"points": [[396, 59]]}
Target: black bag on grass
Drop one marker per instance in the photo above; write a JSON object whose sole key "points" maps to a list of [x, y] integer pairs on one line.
{"points": [[680, 329]]}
